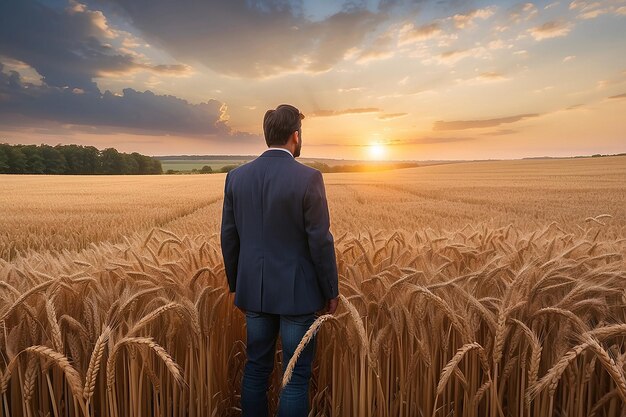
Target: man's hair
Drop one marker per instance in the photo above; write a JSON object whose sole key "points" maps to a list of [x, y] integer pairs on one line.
{"points": [[280, 123]]}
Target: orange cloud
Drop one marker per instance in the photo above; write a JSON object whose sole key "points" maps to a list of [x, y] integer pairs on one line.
{"points": [[500, 132], [553, 29], [410, 34], [99, 25], [327, 113], [522, 12], [424, 140], [462, 20], [349, 89], [177, 70], [381, 48], [389, 116], [477, 124], [492, 76], [455, 55]]}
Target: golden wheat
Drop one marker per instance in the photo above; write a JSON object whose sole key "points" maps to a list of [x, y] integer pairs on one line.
{"points": [[454, 301]]}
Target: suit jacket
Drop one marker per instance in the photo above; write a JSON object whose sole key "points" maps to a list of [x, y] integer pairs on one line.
{"points": [[278, 251]]}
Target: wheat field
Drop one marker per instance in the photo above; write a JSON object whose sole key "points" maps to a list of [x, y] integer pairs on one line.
{"points": [[493, 288]]}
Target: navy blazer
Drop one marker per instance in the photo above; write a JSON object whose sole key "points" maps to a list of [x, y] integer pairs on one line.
{"points": [[278, 251]]}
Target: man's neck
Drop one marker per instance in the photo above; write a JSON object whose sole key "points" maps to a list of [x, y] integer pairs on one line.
{"points": [[284, 149]]}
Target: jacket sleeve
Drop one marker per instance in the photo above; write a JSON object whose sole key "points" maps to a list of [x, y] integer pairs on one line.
{"points": [[321, 242], [229, 237]]}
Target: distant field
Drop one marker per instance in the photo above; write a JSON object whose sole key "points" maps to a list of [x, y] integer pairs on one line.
{"points": [[71, 212], [188, 165], [469, 289]]}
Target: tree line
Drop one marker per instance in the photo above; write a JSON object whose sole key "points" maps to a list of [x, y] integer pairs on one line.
{"points": [[73, 159], [206, 169]]}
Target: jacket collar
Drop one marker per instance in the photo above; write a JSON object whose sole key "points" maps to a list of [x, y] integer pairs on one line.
{"points": [[272, 152]]}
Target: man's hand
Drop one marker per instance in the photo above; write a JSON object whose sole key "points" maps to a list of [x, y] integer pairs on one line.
{"points": [[331, 306]]}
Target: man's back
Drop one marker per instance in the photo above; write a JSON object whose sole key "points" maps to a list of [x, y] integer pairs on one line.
{"points": [[278, 250]]}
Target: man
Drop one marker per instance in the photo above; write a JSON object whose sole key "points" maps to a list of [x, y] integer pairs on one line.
{"points": [[280, 260]]}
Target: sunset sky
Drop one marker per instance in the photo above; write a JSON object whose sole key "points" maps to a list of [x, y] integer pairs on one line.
{"points": [[375, 79]]}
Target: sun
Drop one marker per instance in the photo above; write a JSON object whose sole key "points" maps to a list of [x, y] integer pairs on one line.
{"points": [[377, 151]]}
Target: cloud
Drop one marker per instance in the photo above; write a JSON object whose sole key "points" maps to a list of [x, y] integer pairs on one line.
{"points": [[176, 69], [327, 113], [552, 29], [133, 111], [410, 34], [492, 76], [623, 95], [522, 12], [427, 140], [543, 89], [453, 56], [577, 4], [501, 132], [478, 124], [252, 39], [592, 9], [463, 20], [408, 93], [68, 47], [516, 14], [592, 14], [482, 78], [498, 44], [589, 10], [390, 116], [381, 48], [350, 89], [613, 80], [422, 140]]}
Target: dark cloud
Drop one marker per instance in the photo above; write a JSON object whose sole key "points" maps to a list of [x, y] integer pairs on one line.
{"points": [[327, 113], [623, 95], [66, 45], [475, 124], [134, 111], [254, 38]]}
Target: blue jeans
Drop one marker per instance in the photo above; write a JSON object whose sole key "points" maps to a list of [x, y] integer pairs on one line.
{"points": [[262, 331]]}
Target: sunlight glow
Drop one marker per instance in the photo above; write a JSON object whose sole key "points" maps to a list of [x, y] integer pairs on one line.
{"points": [[377, 151]]}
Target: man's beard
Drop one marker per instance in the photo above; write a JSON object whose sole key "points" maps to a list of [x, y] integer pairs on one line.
{"points": [[296, 152]]}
